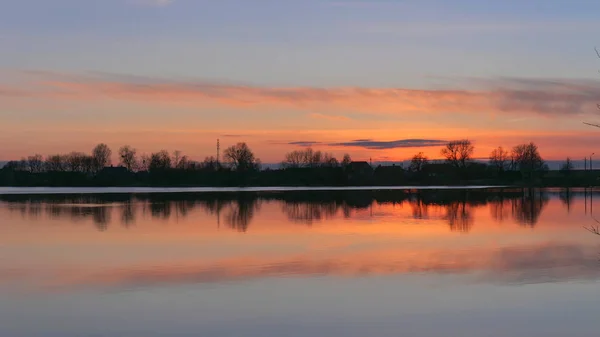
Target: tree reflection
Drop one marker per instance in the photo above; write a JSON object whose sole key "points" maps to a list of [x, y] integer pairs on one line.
{"points": [[566, 197], [128, 214], [527, 210], [237, 210], [420, 210], [161, 209], [241, 212], [308, 213], [101, 217], [500, 209], [459, 216]]}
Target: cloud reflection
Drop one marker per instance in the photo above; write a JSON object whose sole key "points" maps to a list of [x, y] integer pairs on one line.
{"points": [[542, 263]]}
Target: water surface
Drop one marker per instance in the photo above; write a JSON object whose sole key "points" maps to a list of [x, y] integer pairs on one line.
{"points": [[299, 263]]}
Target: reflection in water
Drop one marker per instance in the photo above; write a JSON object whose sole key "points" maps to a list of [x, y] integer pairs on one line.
{"points": [[240, 213], [527, 209], [566, 197], [459, 216], [420, 210], [237, 210], [309, 213], [546, 262], [547, 259], [128, 214]]}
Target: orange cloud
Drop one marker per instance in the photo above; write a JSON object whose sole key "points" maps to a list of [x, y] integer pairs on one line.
{"points": [[543, 97]]}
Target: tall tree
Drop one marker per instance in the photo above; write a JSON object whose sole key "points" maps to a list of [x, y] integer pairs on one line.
{"points": [[35, 163], [75, 161], [101, 155], [346, 160], [210, 164], [499, 159], [241, 158], [127, 157], [567, 167], [458, 153], [159, 161], [56, 163], [527, 158], [293, 159], [418, 161]]}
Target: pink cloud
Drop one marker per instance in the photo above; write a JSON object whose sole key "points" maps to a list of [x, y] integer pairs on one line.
{"points": [[501, 96]]}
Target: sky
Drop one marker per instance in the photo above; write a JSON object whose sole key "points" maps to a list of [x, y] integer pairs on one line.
{"points": [[379, 80]]}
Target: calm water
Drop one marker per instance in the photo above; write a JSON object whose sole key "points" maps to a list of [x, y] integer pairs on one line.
{"points": [[344, 263]]}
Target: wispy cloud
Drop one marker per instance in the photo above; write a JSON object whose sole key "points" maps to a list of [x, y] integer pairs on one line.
{"points": [[503, 95], [305, 143], [380, 145]]}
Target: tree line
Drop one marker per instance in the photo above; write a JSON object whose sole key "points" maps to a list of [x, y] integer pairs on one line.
{"points": [[237, 157], [459, 154], [306, 167]]}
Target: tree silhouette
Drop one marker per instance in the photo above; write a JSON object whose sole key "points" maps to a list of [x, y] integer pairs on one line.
{"points": [[499, 159], [418, 161], [101, 156], [241, 158], [346, 160], [567, 167], [527, 158], [35, 163], [458, 153], [127, 157], [159, 161]]}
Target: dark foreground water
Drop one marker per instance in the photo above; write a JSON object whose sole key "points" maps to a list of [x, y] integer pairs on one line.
{"points": [[300, 263]]}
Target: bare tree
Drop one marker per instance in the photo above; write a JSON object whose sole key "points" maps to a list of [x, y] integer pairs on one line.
{"points": [[241, 158], [567, 167], [418, 161], [458, 153], [597, 105], [329, 160], [499, 158], [293, 159], [75, 161], [127, 157], [101, 155], [527, 158], [183, 163], [159, 161], [35, 163], [55, 163], [309, 158], [176, 158], [210, 164], [347, 160], [144, 163]]}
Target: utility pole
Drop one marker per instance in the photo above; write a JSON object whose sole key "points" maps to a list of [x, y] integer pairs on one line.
{"points": [[585, 164]]}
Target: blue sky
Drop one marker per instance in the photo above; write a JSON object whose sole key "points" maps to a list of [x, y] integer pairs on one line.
{"points": [[426, 45]]}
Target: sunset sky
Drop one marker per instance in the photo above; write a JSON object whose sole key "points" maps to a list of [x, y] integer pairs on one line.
{"points": [[376, 79]]}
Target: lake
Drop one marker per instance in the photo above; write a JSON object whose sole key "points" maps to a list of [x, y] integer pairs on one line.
{"points": [[454, 262]]}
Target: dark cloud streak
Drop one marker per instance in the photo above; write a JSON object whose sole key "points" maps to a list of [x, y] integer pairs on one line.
{"points": [[402, 143]]}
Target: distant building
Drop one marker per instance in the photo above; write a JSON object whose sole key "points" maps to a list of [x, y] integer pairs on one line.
{"points": [[359, 172]]}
